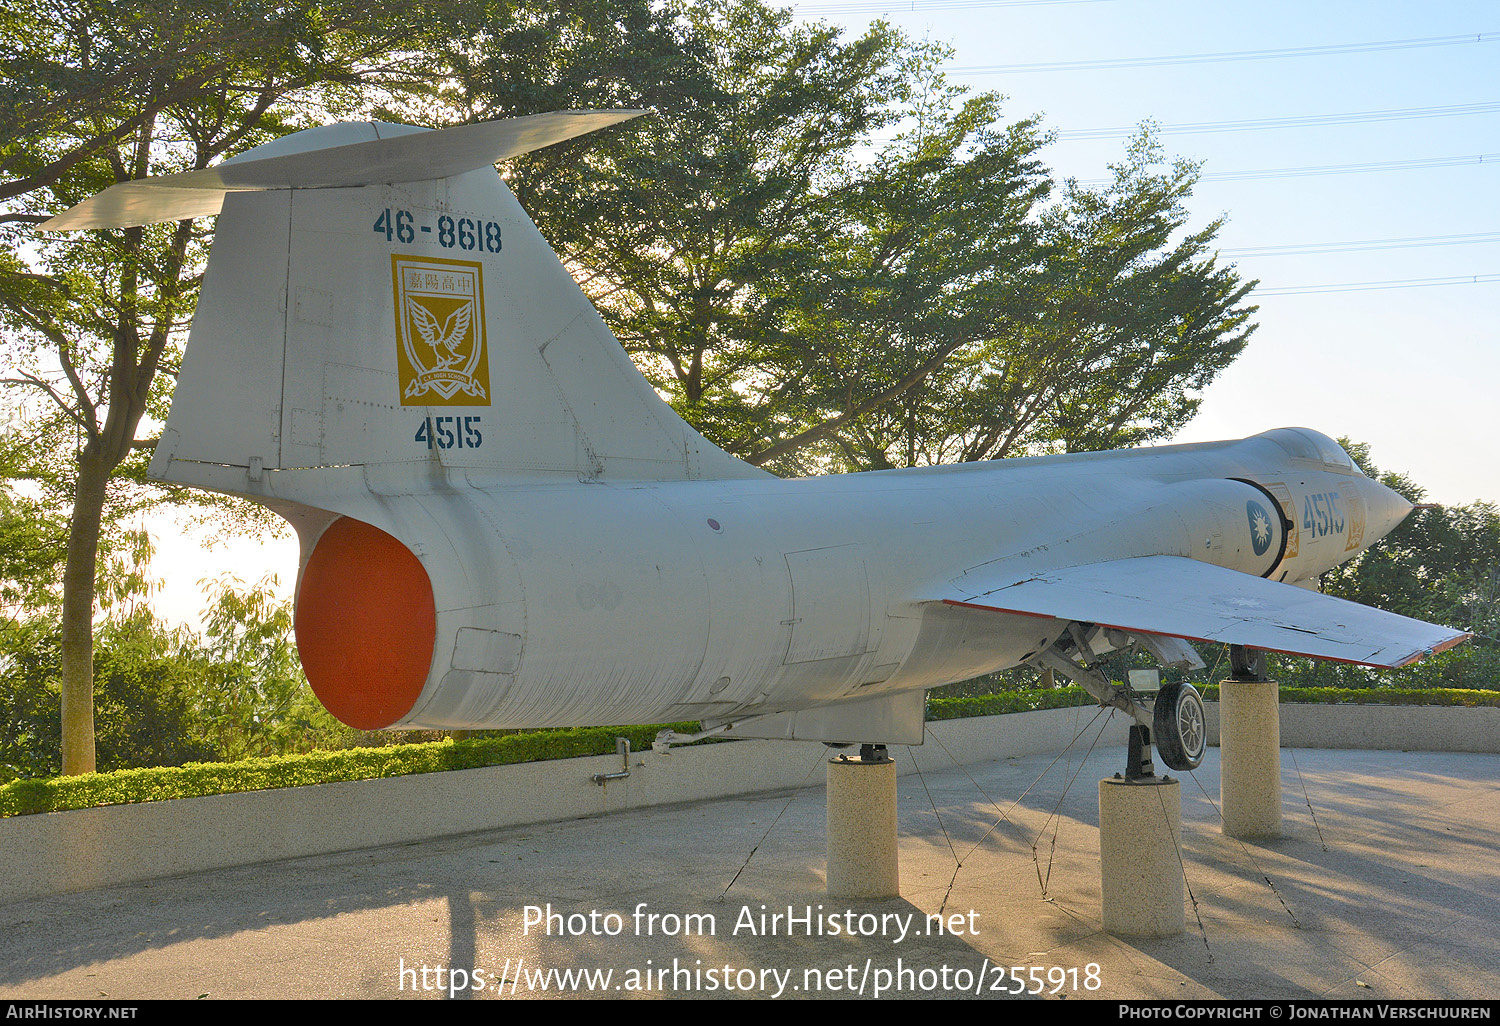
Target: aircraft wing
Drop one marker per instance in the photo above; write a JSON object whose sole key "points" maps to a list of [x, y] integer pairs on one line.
{"points": [[1198, 601]]}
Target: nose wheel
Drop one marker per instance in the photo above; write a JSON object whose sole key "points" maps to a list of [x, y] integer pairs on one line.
{"points": [[1179, 726]]}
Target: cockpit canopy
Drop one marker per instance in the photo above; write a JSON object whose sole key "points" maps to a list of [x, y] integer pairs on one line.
{"points": [[1307, 444]]}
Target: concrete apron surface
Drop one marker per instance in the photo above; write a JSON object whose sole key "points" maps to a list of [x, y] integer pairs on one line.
{"points": [[1385, 884], [82, 849]]}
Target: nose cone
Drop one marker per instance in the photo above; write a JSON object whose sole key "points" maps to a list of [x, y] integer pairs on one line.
{"points": [[1385, 508]]}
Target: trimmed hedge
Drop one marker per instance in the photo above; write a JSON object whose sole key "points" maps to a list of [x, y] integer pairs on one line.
{"points": [[1067, 697], [1006, 702], [23, 797], [1376, 696]]}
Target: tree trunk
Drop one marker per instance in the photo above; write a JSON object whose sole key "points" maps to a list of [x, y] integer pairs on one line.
{"points": [[78, 613]]}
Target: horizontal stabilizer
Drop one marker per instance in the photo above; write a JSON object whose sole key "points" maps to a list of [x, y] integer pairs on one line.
{"points": [[1185, 598], [414, 156]]}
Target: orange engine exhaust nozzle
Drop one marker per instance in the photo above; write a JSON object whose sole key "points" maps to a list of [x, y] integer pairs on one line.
{"points": [[366, 624]]}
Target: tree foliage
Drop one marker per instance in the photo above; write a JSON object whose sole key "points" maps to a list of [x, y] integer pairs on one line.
{"points": [[1123, 318], [98, 93], [83, 78], [250, 692], [828, 257], [165, 696], [1441, 564]]}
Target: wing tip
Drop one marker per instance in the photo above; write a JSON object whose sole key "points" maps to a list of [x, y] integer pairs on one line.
{"points": [[1420, 654]]}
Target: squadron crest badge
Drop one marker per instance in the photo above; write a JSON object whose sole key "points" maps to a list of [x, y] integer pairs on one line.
{"points": [[440, 353]]}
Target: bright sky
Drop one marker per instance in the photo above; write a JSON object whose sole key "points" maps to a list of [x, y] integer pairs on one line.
{"points": [[1412, 369]]}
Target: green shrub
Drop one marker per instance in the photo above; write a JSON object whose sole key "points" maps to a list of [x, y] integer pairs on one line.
{"points": [[965, 706], [22, 797]]}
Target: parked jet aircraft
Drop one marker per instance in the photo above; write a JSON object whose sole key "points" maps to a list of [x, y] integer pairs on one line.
{"points": [[503, 525]]}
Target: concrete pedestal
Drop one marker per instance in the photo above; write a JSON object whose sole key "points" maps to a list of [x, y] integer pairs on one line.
{"points": [[1250, 758], [862, 828], [1140, 828]]}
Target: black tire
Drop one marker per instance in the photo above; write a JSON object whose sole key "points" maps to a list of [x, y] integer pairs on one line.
{"points": [[1179, 726]]}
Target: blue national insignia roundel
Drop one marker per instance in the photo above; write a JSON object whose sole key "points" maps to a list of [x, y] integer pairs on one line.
{"points": [[1260, 527]]}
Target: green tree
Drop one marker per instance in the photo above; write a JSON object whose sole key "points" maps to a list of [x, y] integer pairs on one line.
{"points": [[681, 225], [929, 257], [828, 257], [143, 690], [164, 696], [96, 93], [1441, 564], [145, 687], [33, 541], [146, 694], [248, 685], [1124, 317]]}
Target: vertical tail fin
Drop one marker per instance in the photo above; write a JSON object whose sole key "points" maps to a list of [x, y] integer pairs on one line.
{"points": [[352, 317]]}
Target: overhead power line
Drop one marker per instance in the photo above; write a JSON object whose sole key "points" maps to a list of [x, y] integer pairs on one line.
{"points": [[1414, 164], [1362, 245], [1372, 286], [1344, 169], [1227, 55], [928, 5], [1303, 121]]}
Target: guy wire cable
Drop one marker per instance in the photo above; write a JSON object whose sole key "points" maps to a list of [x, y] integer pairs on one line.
{"points": [[792, 797]]}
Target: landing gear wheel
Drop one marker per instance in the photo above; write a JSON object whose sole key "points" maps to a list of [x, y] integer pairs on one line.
{"points": [[1179, 726]]}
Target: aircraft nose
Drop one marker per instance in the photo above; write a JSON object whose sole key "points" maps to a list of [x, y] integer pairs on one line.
{"points": [[1385, 508]]}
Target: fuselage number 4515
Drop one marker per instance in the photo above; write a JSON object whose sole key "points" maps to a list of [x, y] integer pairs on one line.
{"points": [[1322, 515]]}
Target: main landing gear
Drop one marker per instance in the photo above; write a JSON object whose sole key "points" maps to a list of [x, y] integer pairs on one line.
{"points": [[1180, 726], [1175, 721], [1140, 814]]}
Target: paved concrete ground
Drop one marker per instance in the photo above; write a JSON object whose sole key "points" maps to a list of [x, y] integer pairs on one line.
{"points": [[1388, 888]]}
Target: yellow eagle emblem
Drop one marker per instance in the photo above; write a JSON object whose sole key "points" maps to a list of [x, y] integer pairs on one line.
{"points": [[440, 351]]}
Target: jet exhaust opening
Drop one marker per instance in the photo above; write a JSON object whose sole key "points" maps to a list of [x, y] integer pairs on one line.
{"points": [[366, 624]]}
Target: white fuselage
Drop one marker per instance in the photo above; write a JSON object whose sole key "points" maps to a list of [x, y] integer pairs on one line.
{"points": [[572, 604]]}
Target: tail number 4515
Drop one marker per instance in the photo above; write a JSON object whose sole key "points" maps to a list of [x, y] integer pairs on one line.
{"points": [[450, 433]]}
